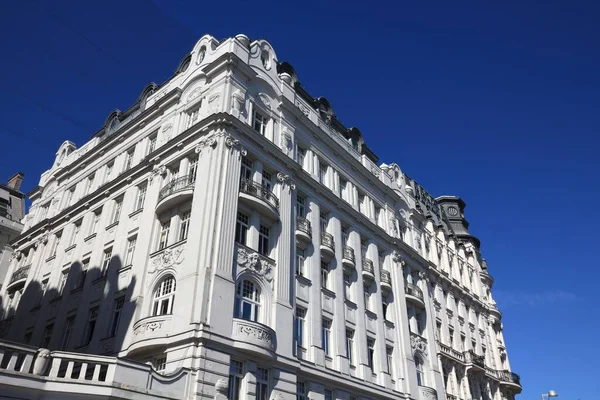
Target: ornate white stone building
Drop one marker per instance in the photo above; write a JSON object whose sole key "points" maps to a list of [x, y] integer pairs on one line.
{"points": [[228, 237]]}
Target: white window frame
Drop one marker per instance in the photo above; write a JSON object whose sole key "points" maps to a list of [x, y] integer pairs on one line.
{"points": [[326, 324], [248, 294], [262, 384], [91, 325], [242, 225], [260, 122], [164, 296], [129, 253], [264, 240], [141, 196], [236, 378], [163, 234], [106, 258], [184, 224], [350, 346]]}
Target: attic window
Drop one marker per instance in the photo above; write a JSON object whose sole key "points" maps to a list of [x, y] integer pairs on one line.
{"points": [[265, 58]]}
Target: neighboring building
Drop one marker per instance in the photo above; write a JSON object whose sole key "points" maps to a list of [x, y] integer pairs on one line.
{"points": [[229, 232], [12, 210]]}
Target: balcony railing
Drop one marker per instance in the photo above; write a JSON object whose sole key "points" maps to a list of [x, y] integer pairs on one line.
{"points": [[413, 290], [386, 277], [444, 349], [349, 254], [259, 191], [473, 358], [368, 266], [303, 225], [19, 274], [178, 185], [510, 377], [327, 240]]}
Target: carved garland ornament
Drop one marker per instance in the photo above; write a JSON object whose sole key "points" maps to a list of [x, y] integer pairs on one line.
{"points": [[167, 259], [148, 326], [259, 333]]}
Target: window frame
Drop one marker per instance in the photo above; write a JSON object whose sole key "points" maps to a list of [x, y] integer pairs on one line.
{"points": [[163, 297]]}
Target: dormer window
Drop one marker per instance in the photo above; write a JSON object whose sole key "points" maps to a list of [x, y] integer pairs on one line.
{"points": [[260, 123]]}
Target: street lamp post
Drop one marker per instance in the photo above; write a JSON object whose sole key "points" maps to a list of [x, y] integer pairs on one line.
{"points": [[551, 393]]}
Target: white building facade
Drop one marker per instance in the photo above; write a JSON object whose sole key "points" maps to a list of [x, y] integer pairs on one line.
{"points": [[228, 237]]}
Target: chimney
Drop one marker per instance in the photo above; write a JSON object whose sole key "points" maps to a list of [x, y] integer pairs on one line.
{"points": [[15, 181]]}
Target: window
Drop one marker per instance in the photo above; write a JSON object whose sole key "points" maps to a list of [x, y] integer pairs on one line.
{"points": [[55, 244], [344, 189], [108, 171], [118, 310], [326, 336], [300, 206], [347, 286], [438, 330], [299, 326], [63, 281], [236, 375], [184, 226], [324, 221], [91, 326], [322, 173], [164, 296], [43, 291], [385, 302], [117, 210], [130, 250], [69, 196], [193, 169], [473, 344], [88, 184], [266, 181], [350, 345], [389, 352], [163, 237], [246, 173], [193, 116], [371, 352], [247, 305], [43, 212], [95, 221], [300, 154], [263, 240], [367, 297], [47, 336], [377, 214], [27, 338], [301, 391], [462, 342], [160, 363], [260, 123], [241, 228], [451, 337], [262, 384], [324, 274], [106, 261], [83, 274], [151, 144], [328, 394], [419, 317], [361, 203], [345, 236], [76, 232], [128, 159], [300, 262], [141, 197], [419, 369]]}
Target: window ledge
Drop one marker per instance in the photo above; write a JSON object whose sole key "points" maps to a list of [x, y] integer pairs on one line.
{"points": [[71, 247], [350, 304], [35, 308], [56, 299], [167, 247], [112, 225], [90, 237], [102, 278], [136, 212], [52, 257], [77, 289], [304, 280], [371, 314], [328, 292]]}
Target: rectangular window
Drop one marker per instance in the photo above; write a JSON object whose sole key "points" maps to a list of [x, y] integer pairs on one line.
{"points": [[76, 232], [463, 347], [301, 390], [118, 310], [106, 261], [300, 262], [266, 181], [260, 123], [193, 169], [128, 159], [141, 197], [246, 174], [91, 326], [43, 291], [95, 221], [451, 337], [82, 275], [438, 330], [63, 281], [108, 171], [263, 240], [88, 184], [350, 345], [300, 206], [299, 326], [117, 210], [323, 173], [163, 236], [55, 244], [241, 228], [347, 286], [262, 384], [130, 250], [377, 214], [328, 394], [344, 189], [367, 297], [47, 336], [389, 352], [371, 352], [184, 226], [160, 363], [326, 336], [68, 330], [236, 375], [151, 144], [301, 155], [473, 344], [385, 302], [323, 221], [324, 274], [69, 197], [193, 116]]}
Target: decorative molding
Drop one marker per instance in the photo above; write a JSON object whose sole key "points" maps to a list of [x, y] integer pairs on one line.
{"points": [[167, 259], [261, 334], [234, 144], [148, 326], [237, 102], [286, 180], [418, 343], [252, 261], [265, 100], [305, 110], [166, 131], [286, 141], [157, 170], [210, 141], [214, 102], [397, 258], [194, 94]]}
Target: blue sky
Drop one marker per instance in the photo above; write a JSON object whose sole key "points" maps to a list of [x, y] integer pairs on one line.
{"points": [[495, 103]]}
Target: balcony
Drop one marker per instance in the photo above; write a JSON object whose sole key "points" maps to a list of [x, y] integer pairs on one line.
{"points": [[450, 352], [254, 337], [326, 247], [427, 393], [386, 281], [414, 294], [348, 259], [29, 372], [150, 331], [510, 379], [259, 197], [368, 272], [474, 359], [18, 277], [303, 230], [175, 192]]}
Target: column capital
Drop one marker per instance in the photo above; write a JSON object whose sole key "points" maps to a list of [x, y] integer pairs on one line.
{"points": [[286, 180]]}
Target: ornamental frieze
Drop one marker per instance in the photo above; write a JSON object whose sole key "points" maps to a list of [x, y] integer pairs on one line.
{"points": [[247, 259]]}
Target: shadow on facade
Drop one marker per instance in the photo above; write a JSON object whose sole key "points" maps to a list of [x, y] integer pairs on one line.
{"points": [[82, 310]]}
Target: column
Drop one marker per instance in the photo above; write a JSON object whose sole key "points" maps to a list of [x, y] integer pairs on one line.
{"points": [[314, 312]]}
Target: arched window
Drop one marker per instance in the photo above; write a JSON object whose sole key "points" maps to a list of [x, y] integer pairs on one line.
{"points": [[247, 302], [420, 373], [164, 297]]}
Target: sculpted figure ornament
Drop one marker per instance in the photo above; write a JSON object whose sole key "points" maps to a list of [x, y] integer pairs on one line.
{"points": [[214, 102], [237, 102], [221, 387], [252, 261], [157, 170], [397, 258], [17, 255], [168, 258], [286, 141], [264, 98], [417, 343], [194, 94]]}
